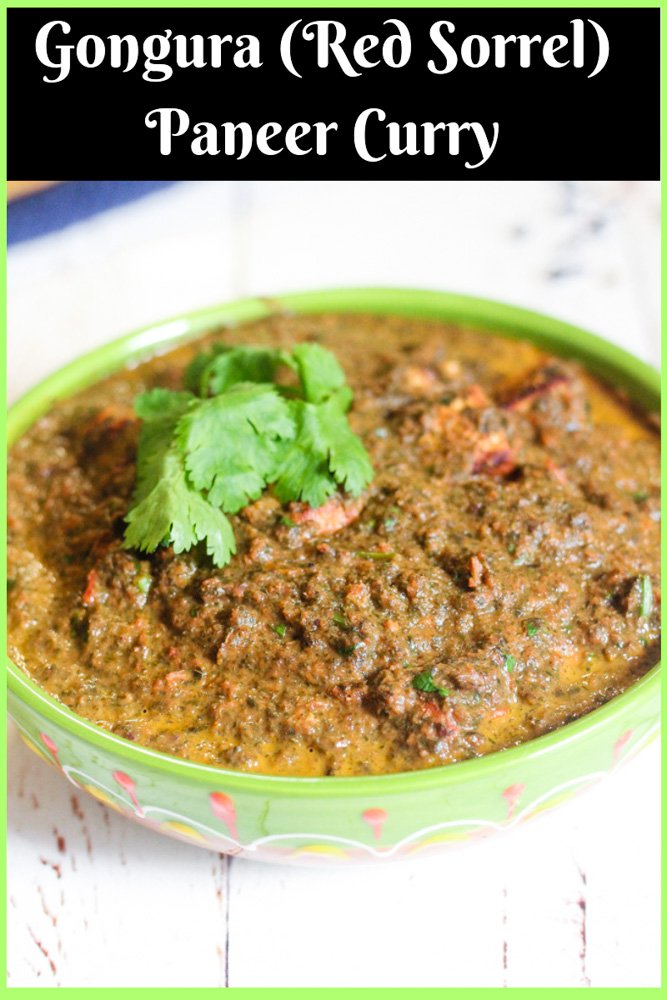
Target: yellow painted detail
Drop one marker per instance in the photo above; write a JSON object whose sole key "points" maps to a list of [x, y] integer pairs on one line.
{"points": [[441, 838], [329, 850], [37, 749], [101, 796], [183, 830]]}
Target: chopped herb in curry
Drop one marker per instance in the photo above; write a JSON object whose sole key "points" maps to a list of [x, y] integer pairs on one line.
{"points": [[424, 682]]}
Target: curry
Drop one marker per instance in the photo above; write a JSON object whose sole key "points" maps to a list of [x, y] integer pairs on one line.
{"points": [[497, 578]]}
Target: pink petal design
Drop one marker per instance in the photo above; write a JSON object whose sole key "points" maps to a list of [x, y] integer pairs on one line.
{"points": [[619, 744], [126, 783], [223, 809], [512, 794], [51, 747], [376, 818]]}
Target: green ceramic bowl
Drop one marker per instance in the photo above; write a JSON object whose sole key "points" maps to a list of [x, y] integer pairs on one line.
{"points": [[339, 819]]}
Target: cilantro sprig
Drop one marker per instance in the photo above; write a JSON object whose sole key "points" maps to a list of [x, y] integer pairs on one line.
{"points": [[237, 428]]}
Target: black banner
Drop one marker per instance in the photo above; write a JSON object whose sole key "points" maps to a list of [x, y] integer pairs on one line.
{"points": [[433, 93]]}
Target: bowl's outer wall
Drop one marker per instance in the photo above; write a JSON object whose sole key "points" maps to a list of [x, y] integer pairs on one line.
{"points": [[384, 821], [305, 820]]}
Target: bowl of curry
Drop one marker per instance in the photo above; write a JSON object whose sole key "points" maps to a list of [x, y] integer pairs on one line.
{"points": [[337, 576]]}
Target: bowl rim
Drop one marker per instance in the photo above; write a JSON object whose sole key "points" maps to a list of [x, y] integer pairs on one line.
{"points": [[640, 380]]}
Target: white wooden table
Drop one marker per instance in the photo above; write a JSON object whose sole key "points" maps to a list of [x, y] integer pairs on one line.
{"points": [[570, 900]]}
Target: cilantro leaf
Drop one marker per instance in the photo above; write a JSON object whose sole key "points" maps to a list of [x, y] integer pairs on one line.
{"points": [[192, 379], [303, 470], [158, 405], [319, 371], [230, 443], [172, 512], [348, 459], [166, 508], [214, 373], [324, 455], [159, 410], [213, 448]]}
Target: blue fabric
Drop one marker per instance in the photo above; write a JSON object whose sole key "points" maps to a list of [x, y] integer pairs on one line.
{"points": [[72, 201]]}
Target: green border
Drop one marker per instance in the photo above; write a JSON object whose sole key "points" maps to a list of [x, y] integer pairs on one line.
{"points": [[506, 320], [3, 499], [482, 4]]}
